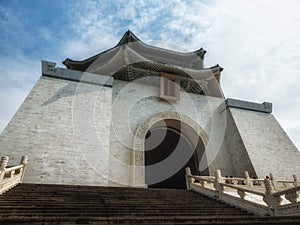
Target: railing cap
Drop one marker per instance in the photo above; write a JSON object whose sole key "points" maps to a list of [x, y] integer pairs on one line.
{"points": [[4, 161], [24, 159]]}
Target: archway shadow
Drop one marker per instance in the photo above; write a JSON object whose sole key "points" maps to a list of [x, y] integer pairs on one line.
{"points": [[160, 142]]}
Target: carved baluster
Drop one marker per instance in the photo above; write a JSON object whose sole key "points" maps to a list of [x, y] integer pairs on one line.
{"points": [[268, 186], [235, 182], [12, 173], [274, 182], [203, 183], [248, 180], [218, 180], [272, 201], [188, 180], [3, 164], [24, 160], [219, 177]]}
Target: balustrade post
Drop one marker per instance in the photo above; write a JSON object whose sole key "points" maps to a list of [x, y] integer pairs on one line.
{"points": [[218, 181], [219, 177], [274, 182], [268, 186], [272, 201], [188, 179], [23, 162], [248, 180], [296, 181], [3, 164]]}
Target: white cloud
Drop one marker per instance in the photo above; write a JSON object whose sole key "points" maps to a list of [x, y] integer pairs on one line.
{"points": [[257, 42], [17, 77], [11, 99]]}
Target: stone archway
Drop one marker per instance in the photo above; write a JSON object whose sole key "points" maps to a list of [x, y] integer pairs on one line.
{"points": [[189, 127], [160, 143]]}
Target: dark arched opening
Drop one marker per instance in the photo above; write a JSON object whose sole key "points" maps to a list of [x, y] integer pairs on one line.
{"points": [[160, 142]]}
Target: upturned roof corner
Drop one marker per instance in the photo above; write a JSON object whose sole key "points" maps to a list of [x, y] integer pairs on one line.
{"points": [[128, 37], [191, 60]]}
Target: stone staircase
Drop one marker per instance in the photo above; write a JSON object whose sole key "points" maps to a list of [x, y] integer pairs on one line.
{"points": [[66, 204]]}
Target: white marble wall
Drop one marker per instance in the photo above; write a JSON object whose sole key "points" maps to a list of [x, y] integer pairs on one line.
{"points": [[268, 146], [133, 104], [51, 127], [79, 133]]}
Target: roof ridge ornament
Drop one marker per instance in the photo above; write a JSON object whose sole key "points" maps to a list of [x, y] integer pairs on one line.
{"points": [[128, 37], [200, 52], [216, 67]]}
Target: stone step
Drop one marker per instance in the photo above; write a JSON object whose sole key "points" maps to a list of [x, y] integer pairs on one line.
{"points": [[66, 204], [151, 220]]}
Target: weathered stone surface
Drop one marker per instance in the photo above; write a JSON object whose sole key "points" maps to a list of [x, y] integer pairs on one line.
{"points": [[93, 133], [47, 130], [267, 145]]}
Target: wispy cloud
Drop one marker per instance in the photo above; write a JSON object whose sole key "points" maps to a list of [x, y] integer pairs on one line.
{"points": [[17, 77], [257, 42]]}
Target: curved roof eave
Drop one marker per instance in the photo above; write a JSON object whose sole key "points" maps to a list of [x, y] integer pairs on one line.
{"points": [[128, 38]]}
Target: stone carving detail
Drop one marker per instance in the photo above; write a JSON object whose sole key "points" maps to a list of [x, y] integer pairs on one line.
{"points": [[242, 194], [139, 158], [139, 139], [268, 186], [11, 176], [146, 125], [292, 197], [271, 205]]}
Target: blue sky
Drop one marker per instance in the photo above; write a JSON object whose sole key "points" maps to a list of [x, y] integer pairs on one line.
{"points": [[257, 42]]}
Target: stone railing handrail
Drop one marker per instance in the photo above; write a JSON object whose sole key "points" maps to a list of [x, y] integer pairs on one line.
{"points": [[283, 192], [285, 181], [263, 198], [200, 178], [7, 170], [11, 176], [240, 188]]}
